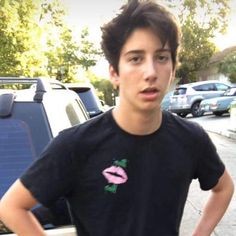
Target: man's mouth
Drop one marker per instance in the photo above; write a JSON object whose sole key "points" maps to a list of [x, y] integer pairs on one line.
{"points": [[150, 93], [150, 90]]}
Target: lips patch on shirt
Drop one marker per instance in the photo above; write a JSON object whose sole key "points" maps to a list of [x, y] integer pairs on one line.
{"points": [[115, 175]]}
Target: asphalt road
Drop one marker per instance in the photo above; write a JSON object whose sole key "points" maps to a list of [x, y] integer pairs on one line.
{"points": [[227, 150]]}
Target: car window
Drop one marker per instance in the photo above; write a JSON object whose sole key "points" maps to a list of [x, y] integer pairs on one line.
{"points": [[68, 112], [33, 115], [89, 99], [205, 87], [86, 96], [221, 87], [230, 92], [74, 113], [180, 91], [16, 151]]}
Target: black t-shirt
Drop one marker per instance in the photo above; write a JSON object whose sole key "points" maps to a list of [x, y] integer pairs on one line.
{"points": [[123, 184]]}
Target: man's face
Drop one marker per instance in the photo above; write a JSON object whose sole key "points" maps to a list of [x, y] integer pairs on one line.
{"points": [[145, 71]]}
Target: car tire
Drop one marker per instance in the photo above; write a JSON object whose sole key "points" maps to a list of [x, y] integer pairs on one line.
{"points": [[195, 110], [182, 114], [218, 113]]}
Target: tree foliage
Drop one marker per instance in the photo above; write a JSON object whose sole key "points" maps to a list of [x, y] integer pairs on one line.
{"points": [[228, 66], [19, 32], [35, 41], [105, 90], [199, 20], [66, 55]]}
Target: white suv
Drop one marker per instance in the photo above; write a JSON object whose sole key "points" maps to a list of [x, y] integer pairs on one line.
{"points": [[187, 97], [29, 119]]}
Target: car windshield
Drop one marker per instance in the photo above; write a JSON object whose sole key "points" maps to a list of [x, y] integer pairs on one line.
{"points": [[86, 96]]}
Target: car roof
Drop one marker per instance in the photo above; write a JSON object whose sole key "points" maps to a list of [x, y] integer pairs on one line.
{"points": [[79, 85], [202, 82], [25, 95], [38, 86]]}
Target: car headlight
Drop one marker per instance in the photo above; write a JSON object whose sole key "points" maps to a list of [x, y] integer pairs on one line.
{"points": [[214, 106]]}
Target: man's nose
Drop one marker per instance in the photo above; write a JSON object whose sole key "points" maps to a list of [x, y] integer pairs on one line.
{"points": [[150, 70]]}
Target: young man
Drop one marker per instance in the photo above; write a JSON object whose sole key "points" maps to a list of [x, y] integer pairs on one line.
{"points": [[128, 171]]}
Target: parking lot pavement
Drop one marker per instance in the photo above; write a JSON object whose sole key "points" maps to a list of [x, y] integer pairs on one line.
{"points": [[224, 128], [196, 198], [220, 125], [193, 211]]}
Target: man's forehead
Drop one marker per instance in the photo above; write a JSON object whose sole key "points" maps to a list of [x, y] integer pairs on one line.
{"points": [[144, 37]]}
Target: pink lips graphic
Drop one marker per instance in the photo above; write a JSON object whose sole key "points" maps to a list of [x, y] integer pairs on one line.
{"points": [[115, 175]]}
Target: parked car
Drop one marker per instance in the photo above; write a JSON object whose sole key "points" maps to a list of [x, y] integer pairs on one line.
{"points": [[187, 97], [219, 105], [87, 94], [29, 119], [165, 104]]}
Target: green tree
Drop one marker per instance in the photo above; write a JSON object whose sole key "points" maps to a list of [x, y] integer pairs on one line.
{"points": [[35, 41], [88, 53], [228, 67], [64, 54], [52, 13], [20, 52], [105, 90], [68, 56], [199, 20], [62, 58]]}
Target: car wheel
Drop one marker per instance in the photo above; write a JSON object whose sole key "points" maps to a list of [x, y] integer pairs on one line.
{"points": [[182, 114], [218, 113], [195, 110]]}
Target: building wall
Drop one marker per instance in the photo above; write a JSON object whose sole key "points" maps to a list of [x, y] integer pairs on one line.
{"points": [[211, 71]]}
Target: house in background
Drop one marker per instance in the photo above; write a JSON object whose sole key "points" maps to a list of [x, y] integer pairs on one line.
{"points": [[211, 72]]}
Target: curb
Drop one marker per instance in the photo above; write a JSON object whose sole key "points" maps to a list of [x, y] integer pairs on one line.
{"points": [[227, 133]]}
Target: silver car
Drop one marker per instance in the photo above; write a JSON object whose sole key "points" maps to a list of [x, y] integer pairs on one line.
{"points": [[187, 97]]}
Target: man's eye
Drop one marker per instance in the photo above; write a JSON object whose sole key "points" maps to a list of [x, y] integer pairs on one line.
{"points": [[162, 58], [136, 59]]}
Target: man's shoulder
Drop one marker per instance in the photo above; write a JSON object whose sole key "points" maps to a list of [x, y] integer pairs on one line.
{"points": [[90, 129], [182, 126]]}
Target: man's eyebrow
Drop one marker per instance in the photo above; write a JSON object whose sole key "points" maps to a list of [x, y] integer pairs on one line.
{"points": [[163, 50], [140, 51], [134, 52]]}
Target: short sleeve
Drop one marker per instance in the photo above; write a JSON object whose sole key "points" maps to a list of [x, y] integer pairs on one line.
{"points": [[51, 176], [210, 166]]}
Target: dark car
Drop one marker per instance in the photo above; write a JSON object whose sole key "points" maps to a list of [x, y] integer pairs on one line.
{"points": [[88, 96]]}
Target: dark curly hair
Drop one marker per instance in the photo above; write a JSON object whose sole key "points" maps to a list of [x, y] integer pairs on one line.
{"points": [[135, 14]]}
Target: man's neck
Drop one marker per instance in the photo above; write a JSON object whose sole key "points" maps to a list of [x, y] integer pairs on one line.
{"points": [[137, 122]]}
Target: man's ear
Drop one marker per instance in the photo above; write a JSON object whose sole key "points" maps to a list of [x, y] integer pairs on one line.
{"points": [[114, 77]]}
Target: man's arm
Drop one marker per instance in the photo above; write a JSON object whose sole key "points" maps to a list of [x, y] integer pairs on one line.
{"points": [[15, 212], [215, 206]]}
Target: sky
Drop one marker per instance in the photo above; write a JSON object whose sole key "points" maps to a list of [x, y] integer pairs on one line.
{"points": [[94, 14]]}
